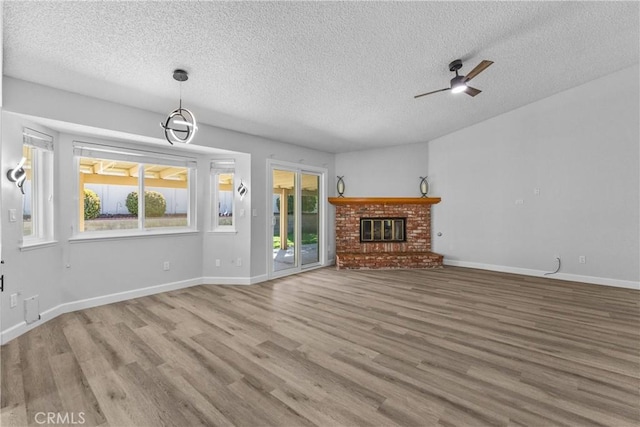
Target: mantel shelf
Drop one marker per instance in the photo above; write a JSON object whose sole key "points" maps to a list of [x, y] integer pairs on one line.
{"points": [[384, 200]]}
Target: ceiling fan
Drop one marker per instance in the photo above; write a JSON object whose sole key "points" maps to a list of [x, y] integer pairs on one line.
{"points": [[459, 83]]}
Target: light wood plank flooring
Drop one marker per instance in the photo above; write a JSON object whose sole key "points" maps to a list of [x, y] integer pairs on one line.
{"points": [[339, 348]]}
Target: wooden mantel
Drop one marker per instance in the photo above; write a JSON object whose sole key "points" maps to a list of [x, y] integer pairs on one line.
{"points": [[384, 200]]}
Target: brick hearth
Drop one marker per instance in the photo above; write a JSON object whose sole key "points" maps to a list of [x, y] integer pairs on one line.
{"points": [[415, 252]]}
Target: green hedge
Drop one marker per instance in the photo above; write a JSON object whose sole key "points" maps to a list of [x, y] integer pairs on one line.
{"points": [[154, 204], [91, 204], [309, 204]]}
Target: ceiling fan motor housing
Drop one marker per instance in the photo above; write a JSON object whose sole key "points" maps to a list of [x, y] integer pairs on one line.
{"points": [[457, 81]]}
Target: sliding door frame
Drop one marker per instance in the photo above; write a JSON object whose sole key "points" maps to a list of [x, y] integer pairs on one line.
{"points": [[298, 169]]}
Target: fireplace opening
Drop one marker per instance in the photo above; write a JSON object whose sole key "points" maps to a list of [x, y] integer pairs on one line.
{"points": [[382, 229]]}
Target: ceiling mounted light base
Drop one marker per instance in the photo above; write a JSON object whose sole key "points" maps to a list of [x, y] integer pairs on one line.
{"points": [[180, 125], [454, 66], [180, 75]]}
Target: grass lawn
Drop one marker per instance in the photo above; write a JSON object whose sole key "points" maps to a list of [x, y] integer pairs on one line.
{"points": [[307, 238], [225, 220], [26, 227]]}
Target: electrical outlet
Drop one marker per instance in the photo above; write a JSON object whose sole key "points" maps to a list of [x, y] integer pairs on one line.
{"points": [[519, 201], [536, 191], [14, 300], [217, 263], [166, 266], [582, 259]]}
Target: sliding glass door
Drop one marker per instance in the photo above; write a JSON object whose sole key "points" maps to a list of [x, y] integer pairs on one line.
{"points": [[284, 220], [296, 232], [310, 218]]}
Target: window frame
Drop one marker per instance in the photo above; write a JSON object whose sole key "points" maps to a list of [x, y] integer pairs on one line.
{"points": [[141, 157], [42, 176], [222, 167]]}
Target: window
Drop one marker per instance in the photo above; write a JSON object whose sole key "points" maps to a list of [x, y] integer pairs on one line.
{"points": [[110, 184], [222, 185], [37, 207]]}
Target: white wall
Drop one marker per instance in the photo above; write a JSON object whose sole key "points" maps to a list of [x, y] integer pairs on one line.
{"points": [[1, 47], [29, 272], [392, 171], [70, 275], [1, 153], [578, 147]]}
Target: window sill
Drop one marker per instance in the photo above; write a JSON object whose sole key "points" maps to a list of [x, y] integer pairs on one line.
{"points": [[224, 231], [95, 237], [30, 246]]}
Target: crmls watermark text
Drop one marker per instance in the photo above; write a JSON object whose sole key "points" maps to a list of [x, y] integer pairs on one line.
{"points": [[59, 417]]}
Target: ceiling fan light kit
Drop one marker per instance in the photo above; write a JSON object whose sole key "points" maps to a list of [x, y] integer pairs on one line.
{"points": [[459, 83], [180, 125]]}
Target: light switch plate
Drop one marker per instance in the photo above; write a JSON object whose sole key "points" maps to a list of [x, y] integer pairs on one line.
{"points": [[12, 215]]}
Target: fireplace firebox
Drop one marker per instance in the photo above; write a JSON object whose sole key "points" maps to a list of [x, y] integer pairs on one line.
{"points": [[383, 229]]}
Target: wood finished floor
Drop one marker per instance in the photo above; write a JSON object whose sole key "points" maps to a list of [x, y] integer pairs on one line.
{"points": [[339, 348]]}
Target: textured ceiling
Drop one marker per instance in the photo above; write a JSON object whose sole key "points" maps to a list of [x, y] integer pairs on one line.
{"points": [[336, 76]]}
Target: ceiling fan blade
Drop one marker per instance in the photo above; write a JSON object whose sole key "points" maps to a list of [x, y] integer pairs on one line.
{"points": [[472, 91], [429, 93], [479, 68]]}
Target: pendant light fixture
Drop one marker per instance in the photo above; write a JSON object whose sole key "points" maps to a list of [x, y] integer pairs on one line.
{"points": [[180, 125]]}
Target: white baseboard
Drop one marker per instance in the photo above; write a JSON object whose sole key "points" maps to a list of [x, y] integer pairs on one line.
{"points": [[212, 280], [126, 295], [258, 279], [16, 330], [629, 284], [22, 327]]}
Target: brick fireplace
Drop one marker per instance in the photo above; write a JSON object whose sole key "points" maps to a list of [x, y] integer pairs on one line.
{"points": [[413, 252]]}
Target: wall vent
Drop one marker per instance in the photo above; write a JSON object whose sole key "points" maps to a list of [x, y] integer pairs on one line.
{"points": [[31, 309]]}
